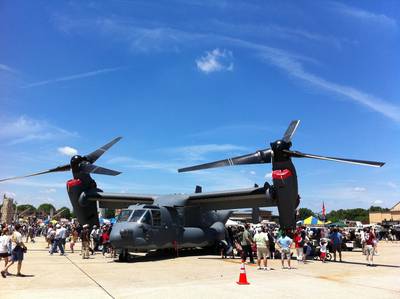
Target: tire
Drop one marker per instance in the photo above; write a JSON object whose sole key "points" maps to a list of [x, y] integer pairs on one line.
{"points": [[123, 257], [328, 256]]}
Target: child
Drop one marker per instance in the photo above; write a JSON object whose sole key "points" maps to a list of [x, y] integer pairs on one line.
{"points": [[323, 244]]}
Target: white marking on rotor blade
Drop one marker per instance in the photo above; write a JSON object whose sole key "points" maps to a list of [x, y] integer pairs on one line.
{"points": [[230, 162], [94, 170]]}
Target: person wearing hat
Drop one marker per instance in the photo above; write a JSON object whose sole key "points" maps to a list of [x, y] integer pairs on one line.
{"points": [[95, 235]]}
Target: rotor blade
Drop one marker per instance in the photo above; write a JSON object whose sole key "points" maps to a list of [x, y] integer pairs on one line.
{"points": [[291, 130], [57, 169], [92, 157], [263, 156], [91, 168], [297, 154]]}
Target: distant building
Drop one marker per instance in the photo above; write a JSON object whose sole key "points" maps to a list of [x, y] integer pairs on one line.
{"points": [[392, 215], [7, 210], [247, 216]]}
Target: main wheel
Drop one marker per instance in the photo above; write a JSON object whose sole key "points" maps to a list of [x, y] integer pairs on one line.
{"points": [[123, 256]]}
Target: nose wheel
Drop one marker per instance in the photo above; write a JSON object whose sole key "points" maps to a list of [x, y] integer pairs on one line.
{"points": [[123, 256]]}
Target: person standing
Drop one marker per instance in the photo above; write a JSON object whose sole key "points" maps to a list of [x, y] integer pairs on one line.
{"points": [[63, 235], [323, 245], [246, 244], [5, 249], [336, 239], [95, 235], [362, 237], [369, 246], [58, 241], [261, 239], [17, 252], [85, 237], [284, 243], [74, 239], [298, 243], [271, 241]]}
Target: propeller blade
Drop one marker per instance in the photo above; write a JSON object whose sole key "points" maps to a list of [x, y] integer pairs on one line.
{"points": [[57, 169], [263, 156], [91, 168], [92, 157], [287, 137], [297, 154]]}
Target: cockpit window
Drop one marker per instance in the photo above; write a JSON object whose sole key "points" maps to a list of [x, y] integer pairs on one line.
{"points": [[156, 217], [146, 218], [137, 214], [124, 215]]}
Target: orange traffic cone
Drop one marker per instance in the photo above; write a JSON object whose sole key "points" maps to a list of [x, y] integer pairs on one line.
{"points": [[242, 276]]}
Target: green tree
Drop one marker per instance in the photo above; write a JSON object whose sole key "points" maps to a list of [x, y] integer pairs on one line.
{"points": [[305, 213], [349, 214], [378, 209], [22, 208], [46, 208], [64, 213]]}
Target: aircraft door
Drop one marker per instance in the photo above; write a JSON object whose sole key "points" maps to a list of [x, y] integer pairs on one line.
{"points": [[159, 227], [176, 229]]}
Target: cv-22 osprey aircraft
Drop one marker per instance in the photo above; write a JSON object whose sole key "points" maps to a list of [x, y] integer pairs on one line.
{"points": [[150, 222]]}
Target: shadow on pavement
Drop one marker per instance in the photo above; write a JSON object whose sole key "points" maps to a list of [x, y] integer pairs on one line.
{"points": [[364, 264]]}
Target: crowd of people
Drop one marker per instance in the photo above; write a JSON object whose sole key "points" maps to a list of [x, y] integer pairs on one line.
{"points": [[261, 241], [57, 236], [268, 242]]}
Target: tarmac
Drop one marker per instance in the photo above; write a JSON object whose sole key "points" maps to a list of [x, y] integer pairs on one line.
{"points": [[200, 276]]}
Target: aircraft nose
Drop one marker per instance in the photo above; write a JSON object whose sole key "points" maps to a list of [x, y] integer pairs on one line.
{"points": [[122, 237]]}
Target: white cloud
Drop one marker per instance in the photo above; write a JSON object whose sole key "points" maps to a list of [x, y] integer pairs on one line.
{"points": [[144, 164], [8, 194], [6, 68], [167, 38], [252, 172], [24, 129], [392, 185], [73, 77], [268, 176], [215, 61], [377, 202], [67, 151], [199, 152], [359, 189], [294, 67], [363, 15], [49, 190]]}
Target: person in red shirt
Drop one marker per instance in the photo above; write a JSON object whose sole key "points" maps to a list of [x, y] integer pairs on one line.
{"points": [[299, 242], [105, 237], [369, 246]]}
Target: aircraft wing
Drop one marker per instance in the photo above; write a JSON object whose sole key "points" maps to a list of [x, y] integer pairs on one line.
{"points": [[116, 200], [233, 199]]}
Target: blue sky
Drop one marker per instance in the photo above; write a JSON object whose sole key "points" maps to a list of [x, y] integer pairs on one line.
{"points": [[186, 82]]}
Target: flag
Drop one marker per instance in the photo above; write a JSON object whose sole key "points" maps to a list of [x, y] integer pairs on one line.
{"points": [[323, 210]]}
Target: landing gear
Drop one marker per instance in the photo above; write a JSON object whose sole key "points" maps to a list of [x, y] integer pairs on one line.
{"points": [[123, 256]]}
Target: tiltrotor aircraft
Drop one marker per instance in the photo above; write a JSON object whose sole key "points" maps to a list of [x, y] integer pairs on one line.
{"points": [[186, 220]]}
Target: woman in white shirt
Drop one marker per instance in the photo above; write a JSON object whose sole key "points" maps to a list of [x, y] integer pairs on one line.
{"points": [[5, 244]]}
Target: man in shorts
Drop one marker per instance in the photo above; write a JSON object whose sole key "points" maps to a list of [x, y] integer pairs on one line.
{"points": [[261, 239], [5, 239], [284, 243], [369, 246], [18, 251], [336, 239]]}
